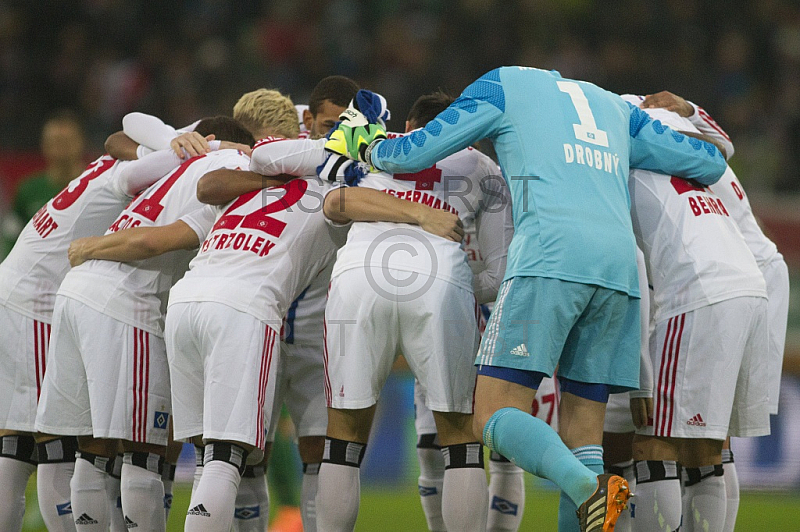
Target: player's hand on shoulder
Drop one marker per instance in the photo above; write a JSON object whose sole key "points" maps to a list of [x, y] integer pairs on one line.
{"points": [[190, 144], [442, 223], [244, 148], [670, 102], [78, 250]]}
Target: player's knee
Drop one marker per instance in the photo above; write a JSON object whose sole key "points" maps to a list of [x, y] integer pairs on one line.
{"points": [[311, 448], [232, 453], [700, 452]]}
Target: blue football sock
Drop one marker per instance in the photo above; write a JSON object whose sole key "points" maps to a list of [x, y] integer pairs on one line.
{"points": [[592, 457], [531, 444]]}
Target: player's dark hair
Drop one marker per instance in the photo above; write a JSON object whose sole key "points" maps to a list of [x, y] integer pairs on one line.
{"points": [[338, 89], [225, 128], [428, 106]]}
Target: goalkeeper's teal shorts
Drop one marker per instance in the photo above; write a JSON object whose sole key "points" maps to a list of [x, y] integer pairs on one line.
{"points": [[591, 333]]}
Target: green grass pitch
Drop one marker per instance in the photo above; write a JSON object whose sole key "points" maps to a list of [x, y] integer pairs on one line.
{"points": [[399, 510]]}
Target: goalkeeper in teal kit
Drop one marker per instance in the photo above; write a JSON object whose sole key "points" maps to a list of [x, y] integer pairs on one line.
{"points": [[570, 294]]}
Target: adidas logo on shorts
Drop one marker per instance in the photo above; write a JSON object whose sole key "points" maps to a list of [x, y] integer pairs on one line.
{"points": [[696, 421], [199, 510], [520, 351], [86, 519], [130, 523]]}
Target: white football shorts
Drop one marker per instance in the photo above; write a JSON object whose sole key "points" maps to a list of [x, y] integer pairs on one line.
{"points": [[105, 378], [711, 375], [23, 358], [437, 332], [301, 381], [223, 364]]}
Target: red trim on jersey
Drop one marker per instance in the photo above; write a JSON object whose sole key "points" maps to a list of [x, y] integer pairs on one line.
{"points": [[267, 140], [711, 122], [41, 339], [667, 377], [660, 409], [328, 398], [263, 379], [141, 383], [674, 374]]}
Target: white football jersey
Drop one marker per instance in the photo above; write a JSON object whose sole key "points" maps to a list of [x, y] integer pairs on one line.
{"points": [[32, 272], [694, 251], [136, 293], [730, 190], [262, 251]]}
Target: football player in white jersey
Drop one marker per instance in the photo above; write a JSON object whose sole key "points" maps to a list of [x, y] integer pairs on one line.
{"points": [[352, 384], [769, 261], [227, 287], [710, 312], [506, 486], [29, 279], [108, 376], [301, 371]]}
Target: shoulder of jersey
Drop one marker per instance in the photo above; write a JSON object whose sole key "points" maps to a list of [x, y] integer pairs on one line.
{"points": [[270, 140]]}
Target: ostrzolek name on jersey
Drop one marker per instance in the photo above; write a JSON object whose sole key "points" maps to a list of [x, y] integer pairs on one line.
{"points": [[244, 241], [591, 157]]}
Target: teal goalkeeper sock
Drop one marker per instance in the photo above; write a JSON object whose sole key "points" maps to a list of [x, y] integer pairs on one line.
{"points": [[592, 457], [531, 444]]}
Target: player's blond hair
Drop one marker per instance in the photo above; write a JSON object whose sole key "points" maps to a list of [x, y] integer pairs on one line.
{"points": [[266, 112]]}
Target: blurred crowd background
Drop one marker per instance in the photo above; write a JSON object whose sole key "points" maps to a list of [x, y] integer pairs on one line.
{"points": [[184, 59]]}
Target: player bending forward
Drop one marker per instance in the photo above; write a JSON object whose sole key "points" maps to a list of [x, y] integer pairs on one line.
{"points": [[565, 147], [109, 377]]}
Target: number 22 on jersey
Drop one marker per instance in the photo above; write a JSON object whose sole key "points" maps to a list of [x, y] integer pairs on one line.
{"points": [[260, 218]]}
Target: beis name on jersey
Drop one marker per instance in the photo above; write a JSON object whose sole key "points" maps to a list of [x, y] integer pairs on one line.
{"points": [[43, 222], [592, 157], [421, 197]]}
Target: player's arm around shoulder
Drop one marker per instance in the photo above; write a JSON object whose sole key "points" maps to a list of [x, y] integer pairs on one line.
{"points": [[223, 185], [137, 243], [346, 204], [658, 148]]}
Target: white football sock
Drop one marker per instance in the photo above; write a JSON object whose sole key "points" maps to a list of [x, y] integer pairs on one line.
{"points": [[211, 508], [465, 494], [658, 496], [338, 497], [430, 483], [88, 493], [308, 496], [143, 494], [704, 499], [115, 500], [251, 512], [14, 474], [506, 495], [731, 490], [52, 488]]}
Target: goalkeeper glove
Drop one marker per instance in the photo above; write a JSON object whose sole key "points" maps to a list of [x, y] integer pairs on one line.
{"points": [[354, 134]]}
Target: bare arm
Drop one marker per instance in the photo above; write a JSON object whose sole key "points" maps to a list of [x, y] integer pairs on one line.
{"points": [[368, 205], [121, 146], [133, 244], [219, 187]]}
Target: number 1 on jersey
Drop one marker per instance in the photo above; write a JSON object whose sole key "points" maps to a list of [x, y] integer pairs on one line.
{"points": [[586, 130]]}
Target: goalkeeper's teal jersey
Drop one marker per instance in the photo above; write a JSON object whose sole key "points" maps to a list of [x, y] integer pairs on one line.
{"points": [[565, 148]]}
